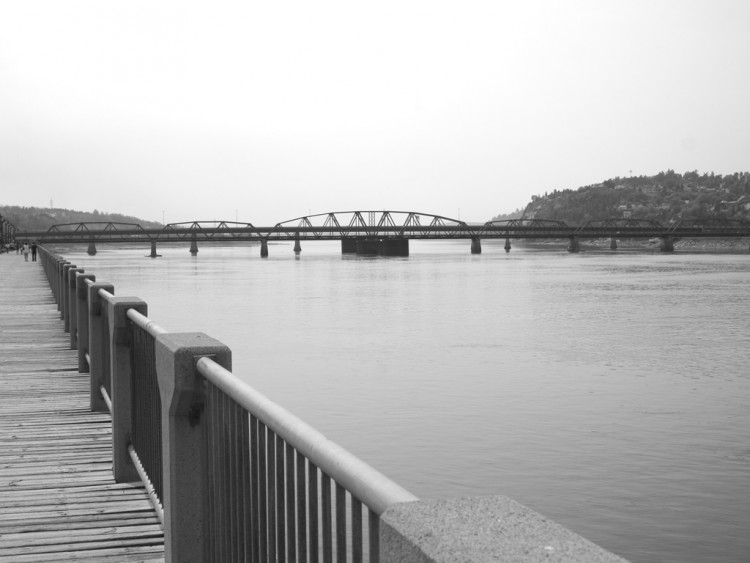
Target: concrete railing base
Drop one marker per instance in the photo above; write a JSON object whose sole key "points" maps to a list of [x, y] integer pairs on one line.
{"points": [[474, 529]]}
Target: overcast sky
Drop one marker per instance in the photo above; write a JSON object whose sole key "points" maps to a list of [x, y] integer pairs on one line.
{"points": [[265, 111]]}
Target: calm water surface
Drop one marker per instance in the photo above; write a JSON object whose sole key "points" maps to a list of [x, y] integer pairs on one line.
{"points": [[608, 391]]}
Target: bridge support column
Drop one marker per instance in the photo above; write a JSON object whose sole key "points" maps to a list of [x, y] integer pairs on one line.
{"points": [[184, 440], [98, 347], [613, 243], [92, 249], [348, 246], [574, 245], [264, 248], [394, 247], [382, 246], [297, 245], [476, 245], [121, 384], [667, 244], [153, 249], [507, 245], [193, 246]]}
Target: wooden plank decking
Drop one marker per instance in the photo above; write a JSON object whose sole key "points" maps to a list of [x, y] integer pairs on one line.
{"points": [[58, 500]]}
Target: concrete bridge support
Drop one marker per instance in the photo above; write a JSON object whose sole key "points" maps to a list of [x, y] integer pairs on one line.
{"points": [[297, 245], [613, 243], [194, 245], [574, 245], [667, 244], [153, 249], [507, 245], [476, 245], [92, 249], [348, 246], [382, 246], [264, 248]]}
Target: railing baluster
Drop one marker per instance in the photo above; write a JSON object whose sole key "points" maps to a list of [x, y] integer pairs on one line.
{"points": [[340, 524], [373, 524], [255, 486], [312, 512], [278, 490], [263, 493], [291, 502], [247, 513], [356, 530], [301, 509], [327, 515], [272, 454]]}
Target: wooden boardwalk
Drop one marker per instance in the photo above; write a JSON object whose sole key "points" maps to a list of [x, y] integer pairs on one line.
{"points": [[58, 500]]}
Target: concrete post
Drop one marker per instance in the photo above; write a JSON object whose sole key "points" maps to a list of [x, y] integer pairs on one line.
{"points": [[98, 345], [264, 248], [613, 243], [65, 295], [153, 249], [82, 316], [574, 245], [492, 528], [297, 245], [185, 480], [59, 285], [193, 245], [507, 245], [92, 249], [73, 307], [667, 244], [120, 342]]}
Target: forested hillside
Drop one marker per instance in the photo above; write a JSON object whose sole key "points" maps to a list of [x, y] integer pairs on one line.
{"points": [[666, 197], [42, 218]]}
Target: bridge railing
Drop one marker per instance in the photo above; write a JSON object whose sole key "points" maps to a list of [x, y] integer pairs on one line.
{"points": [[235, 477]]}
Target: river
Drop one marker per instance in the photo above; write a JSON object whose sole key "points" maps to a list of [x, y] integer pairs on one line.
{"points": [[609, 391]]}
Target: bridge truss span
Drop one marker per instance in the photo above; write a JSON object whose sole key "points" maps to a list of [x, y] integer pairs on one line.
{"points": [[341, 225], [524, 228]]}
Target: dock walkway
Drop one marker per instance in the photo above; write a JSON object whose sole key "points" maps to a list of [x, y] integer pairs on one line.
{"points": [[58, 499]]}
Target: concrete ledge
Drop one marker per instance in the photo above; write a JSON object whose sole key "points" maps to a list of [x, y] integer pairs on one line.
{"points": [[474, 529]]}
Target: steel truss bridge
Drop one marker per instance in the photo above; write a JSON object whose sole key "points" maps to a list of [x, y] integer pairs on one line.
{"points": [[382, 232]]}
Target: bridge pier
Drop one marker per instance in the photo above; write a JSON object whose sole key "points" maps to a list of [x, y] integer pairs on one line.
{"points": [[92, 249], [153, 249], [264, 248], [382, 246], [194, 245], [507, 245], [297, 245], [373, 246], [613, 243], [667, 244], [574, 245], [476, 245]]}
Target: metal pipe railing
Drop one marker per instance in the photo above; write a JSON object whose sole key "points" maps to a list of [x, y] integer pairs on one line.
{"points": [[294, 470], [269, 485]]}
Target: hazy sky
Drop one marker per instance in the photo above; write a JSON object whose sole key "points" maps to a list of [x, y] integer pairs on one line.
{"points": [[265, 111]]}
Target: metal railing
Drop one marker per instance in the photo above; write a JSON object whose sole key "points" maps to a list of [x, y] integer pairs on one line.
{"points": [[266, 485]]}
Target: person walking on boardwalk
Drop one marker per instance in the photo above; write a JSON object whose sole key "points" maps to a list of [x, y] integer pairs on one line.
{"points": [[25, 250], [33, 251]]}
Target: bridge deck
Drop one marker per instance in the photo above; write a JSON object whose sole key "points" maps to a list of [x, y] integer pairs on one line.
{"points": [[58, 500]]}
